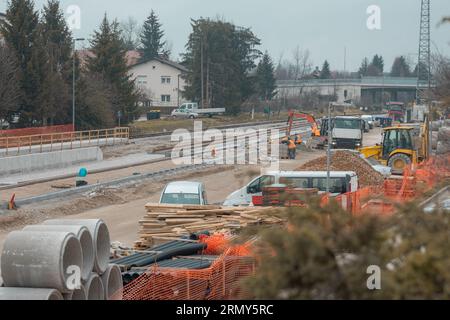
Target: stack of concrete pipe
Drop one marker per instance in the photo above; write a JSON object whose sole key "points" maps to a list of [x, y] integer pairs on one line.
{"points": [[45, 262]]}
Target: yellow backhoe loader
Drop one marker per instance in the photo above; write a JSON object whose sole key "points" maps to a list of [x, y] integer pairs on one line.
{"points": [[403, 145]]}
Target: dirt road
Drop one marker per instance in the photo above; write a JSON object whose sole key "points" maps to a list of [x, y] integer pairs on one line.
{"points": [[122, 208]]}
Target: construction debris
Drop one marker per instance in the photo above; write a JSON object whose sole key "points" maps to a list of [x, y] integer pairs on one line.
{"points": [[347, 161], [169, 222]]}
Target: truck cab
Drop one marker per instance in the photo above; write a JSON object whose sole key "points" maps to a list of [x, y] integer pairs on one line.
{"points": [[347, 132]]}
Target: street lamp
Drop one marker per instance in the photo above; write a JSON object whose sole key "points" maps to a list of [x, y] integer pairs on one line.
{"points": [[330, 140], [73, 80]]}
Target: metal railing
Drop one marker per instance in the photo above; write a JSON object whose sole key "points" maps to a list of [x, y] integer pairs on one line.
{"points": [[59, 141]]}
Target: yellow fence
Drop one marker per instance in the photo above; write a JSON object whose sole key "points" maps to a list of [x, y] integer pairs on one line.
{"points": [[59, 141]]}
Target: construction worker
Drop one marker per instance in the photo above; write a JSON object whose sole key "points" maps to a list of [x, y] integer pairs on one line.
{"points": [[298, 139], [315, 130], [292, 148]]}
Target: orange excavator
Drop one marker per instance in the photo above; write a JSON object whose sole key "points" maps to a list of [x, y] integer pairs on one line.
{"points": [[293, 115]]}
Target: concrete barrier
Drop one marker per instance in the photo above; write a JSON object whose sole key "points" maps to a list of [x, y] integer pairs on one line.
{"points": [[48, 160]]}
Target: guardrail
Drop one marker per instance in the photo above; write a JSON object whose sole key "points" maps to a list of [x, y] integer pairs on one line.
{"points": [[59, 141]]}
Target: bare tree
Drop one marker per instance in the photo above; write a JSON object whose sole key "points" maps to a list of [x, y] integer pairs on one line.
{"points": [[302, 63], [441, 73], [10, 91], [131, 31]]}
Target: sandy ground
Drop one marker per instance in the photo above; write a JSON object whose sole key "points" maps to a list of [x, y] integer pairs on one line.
{"points": [[122, 208]]}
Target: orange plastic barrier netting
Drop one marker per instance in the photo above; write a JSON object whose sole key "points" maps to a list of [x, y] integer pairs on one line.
{"points": [[220, 281]]}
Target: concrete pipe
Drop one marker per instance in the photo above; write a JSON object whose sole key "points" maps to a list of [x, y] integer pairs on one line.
{"points": [[83, 234], [94, 288], [29, 294], [100, 236], [32, 259], [112, 283], [76, 295]]}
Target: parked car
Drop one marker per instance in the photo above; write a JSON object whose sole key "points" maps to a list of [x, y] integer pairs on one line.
{"points": [[341, 182], [370, 120], [184, 192]]}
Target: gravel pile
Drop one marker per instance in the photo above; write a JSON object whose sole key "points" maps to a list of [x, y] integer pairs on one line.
{"points": [[347, 161]]}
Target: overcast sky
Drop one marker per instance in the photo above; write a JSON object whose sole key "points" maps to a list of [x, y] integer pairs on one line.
{"points": [[325, 27]]}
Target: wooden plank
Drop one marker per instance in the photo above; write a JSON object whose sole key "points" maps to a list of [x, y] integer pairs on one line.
{"points": [[181, 221], [180, 216]]}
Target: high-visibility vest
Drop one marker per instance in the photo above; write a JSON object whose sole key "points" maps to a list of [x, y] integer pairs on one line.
{"points": [[292, 145]]}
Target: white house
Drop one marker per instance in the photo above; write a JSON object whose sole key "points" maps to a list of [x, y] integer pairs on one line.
{"points": [[2, 19], [161, 82]]}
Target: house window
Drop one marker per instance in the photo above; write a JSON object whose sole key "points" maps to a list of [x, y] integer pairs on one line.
{"points": [[165, 98], [165, 80], [141, 80]]}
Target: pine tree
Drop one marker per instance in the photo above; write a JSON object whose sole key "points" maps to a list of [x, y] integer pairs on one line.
{"points": [[58, 41], [363, 70], [151, 37], [376, 68], [400, 68], [109, 62], [10, 90], [325, 73], [20, 33], [265, 78]]}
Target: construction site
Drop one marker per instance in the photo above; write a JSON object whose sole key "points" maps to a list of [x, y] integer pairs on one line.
{"points": [[266, 205]]}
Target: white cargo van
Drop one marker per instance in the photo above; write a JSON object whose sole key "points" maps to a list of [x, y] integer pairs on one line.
{"points": [[341, 182]]}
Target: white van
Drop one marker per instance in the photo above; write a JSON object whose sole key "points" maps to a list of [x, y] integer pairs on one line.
{"points": [[341, 182]]}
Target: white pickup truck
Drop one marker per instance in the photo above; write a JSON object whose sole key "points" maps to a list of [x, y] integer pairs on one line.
{"points": [[192, 111]]}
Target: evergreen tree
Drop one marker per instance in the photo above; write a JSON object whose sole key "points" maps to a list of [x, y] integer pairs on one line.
{"points": [[325, 73], [10, 90], [400, 68], [151, 37], [226, 54], [376, 68], [109, 62], [58, 41], [265, 78], [19, 34], [363, 70]]}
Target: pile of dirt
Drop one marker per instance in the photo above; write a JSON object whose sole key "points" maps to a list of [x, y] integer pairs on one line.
{"points": [[347, 161]]}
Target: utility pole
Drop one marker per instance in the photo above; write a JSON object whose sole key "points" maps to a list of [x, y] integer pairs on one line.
{"points": [[330, 138], [74, 80], [201, 70], [424, 64]]}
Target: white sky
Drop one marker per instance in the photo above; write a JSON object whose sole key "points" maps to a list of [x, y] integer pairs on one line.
{"points": [[324, 27]]}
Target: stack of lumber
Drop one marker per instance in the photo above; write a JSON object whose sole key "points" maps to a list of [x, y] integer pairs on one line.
{"points": [[169, 222]]}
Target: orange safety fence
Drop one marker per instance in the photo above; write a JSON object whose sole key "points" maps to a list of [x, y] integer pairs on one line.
{"points": [[36, 131], [413, 183], [222, 280]]}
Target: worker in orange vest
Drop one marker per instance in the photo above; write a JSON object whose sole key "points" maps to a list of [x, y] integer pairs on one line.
{"points": [[315, 131], [292, 148]]}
